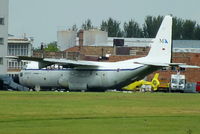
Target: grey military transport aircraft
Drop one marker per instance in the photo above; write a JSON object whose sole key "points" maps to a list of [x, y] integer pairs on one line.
{"points": [[90, 75]]}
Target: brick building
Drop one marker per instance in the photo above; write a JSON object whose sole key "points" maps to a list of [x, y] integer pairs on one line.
{"points": [[192, 75], [183, 52]]}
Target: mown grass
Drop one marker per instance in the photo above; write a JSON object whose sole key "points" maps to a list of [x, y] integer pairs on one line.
{"points": [[99, 113]]}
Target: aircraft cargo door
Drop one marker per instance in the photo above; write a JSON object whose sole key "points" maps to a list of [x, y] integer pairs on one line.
{"points": [[78, 80]]}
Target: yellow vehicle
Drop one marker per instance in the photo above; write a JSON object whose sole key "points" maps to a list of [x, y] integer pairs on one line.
{"points": [[138, 84], [164, 86]]}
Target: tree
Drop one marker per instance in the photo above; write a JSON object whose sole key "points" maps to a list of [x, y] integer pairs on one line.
{"points": [[132, 29], [112, 27], [177, 28], [87, 25], [188, 29], [74, 28], [52, 47], [197, 32], [151, 26]]}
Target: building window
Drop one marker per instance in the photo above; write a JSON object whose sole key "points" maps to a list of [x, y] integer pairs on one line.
{"points": [[16, 65], [17, 50], [1, 41], [1, 21], [1, 61]]}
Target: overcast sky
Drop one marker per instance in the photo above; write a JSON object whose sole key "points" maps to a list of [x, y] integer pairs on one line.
{"points": [[42, 18]]}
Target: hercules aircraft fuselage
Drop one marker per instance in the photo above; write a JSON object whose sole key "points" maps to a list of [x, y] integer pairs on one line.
{"points": [[107, 76], [89, 75]]}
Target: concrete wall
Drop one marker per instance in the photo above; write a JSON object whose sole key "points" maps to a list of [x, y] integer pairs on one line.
{"points": [[95, 37], [66, 39], [4, 34]]}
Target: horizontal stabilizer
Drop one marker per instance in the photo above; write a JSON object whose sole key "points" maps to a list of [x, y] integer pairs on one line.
{"points": [[153, 64], [182, 65], [188, 66]]}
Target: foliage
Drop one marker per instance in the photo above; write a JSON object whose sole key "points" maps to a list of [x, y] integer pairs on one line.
{"points": [[197, 32], [36, 48], [52, 47], [132, 29], [112, 27], [87, 25], [189, 29], [151, 26], [74, 28], [182, 29], [177, 28]]}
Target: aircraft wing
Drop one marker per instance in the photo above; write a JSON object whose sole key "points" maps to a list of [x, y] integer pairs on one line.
{"points": [[182, 65], [25, 58], [72, 63], [43, 62]]}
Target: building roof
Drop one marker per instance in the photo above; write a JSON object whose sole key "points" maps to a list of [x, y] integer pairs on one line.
{"points": [[132, 42], [15, 40], [72, 49], [145, 42], [186, 43]]}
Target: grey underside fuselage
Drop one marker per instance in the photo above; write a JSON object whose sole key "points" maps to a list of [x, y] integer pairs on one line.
{"points": [[84, 79]]}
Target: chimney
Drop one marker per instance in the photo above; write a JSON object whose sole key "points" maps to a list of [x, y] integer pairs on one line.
{"points": [[81, 38]]}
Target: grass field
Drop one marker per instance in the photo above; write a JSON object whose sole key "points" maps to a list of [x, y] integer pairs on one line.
{"points": [[99, 113]]}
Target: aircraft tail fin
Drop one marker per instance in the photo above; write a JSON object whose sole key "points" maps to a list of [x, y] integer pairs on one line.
{"points": [[161, 48]]}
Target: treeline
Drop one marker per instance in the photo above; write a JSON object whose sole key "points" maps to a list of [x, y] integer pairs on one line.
{"points": [[182, 29]]}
